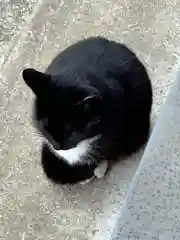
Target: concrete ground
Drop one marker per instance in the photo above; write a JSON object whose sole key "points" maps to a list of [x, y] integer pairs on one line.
{"points": [[13, 16], [152, 206], [30, 206]]}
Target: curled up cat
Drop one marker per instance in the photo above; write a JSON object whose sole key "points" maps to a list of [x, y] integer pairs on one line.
{"points": [[92, 105]]}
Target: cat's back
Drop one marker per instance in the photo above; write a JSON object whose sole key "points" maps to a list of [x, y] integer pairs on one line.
{"points": [[92, 53], [105, 64]]}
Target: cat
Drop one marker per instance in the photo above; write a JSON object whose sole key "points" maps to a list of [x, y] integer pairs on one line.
{"points": [[92, 104]]}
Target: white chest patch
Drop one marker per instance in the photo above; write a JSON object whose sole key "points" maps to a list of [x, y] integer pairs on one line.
{"points": [[78, 153]]}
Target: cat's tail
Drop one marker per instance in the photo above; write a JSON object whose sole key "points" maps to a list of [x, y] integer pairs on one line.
{"points": [[59, 171]]}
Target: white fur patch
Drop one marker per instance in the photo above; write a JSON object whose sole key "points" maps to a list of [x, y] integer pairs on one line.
{"points": [[76, 154]]}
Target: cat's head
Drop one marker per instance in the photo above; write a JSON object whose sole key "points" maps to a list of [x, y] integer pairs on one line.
{"points": [[66, 112]]}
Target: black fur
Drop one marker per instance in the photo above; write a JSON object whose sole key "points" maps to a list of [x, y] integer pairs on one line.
{"points": [[95, 86]]}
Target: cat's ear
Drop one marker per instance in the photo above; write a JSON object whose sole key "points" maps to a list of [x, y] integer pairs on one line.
{"points": [[93, 99], [92, 103], [36, 80]]}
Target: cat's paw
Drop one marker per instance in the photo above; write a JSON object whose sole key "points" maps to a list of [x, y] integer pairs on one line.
{"points": [[101, 169], [99, 172], [86, 181]]}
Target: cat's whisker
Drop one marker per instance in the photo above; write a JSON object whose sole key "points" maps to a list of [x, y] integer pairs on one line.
{"points": [[95, 156]]}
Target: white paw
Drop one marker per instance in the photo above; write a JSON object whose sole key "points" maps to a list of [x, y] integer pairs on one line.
{"points": [[86, 181], [101, 169]]}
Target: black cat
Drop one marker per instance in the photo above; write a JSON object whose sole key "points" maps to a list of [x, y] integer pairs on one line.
{"points": [[92, 105]]}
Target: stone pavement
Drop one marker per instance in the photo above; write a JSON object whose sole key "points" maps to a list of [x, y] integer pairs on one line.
{"points": [[152, 207], [14, 15], [30, 206]]}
